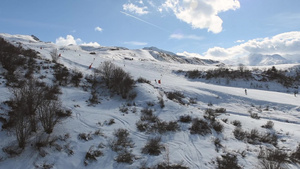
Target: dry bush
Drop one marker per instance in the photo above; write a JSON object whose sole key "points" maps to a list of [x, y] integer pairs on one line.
{"points": [[47, 114], [200, 126], [153, 147]]}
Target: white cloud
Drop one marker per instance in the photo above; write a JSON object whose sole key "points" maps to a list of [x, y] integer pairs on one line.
{"points": [[94, 44], [135, 9], [135, 43], [70, 40], [201, 14], [61, 41], [285, 44], [98, 29], [239, 41], [182, 36]]}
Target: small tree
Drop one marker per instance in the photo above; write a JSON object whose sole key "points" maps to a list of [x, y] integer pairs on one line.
{"points": [[28, 98], [47, 114], [22, 129], [106, 71]]}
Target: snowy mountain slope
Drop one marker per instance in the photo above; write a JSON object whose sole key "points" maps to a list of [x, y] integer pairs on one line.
{"points": [[163, 55], [195, 151], [263, 60]]}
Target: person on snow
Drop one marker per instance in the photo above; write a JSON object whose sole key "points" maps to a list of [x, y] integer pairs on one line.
{"points": [[245, 91]]}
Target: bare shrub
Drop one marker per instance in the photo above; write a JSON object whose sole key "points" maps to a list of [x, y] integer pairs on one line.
{"points": [[217, 143], [295, 156], [143, 80], [268, 125], [94, 99], [176, 96], [171, 166], [121, 140], [273, 158], [253, 137], [61, 74], [125, 156], [199, 126], [254, 116], [220, 110], [153, 147], [123, 109], [185, 118], [116, 79], [217, 126], [193, 74], [142, 126], [270, 138], [76, 77], [92, 155], [163, 126], [228, 161], [27, 100], [85, 136], [12, 150], [237, 123], [47, 114], [22, 129], [210, 114], [64, 113], [147, 111], [106, 71], [239, 133]]}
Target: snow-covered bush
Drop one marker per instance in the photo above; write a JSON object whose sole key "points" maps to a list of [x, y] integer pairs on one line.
{"points": [[268, 125]]}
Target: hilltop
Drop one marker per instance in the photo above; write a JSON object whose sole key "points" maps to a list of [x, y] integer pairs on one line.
{"points": [[133, 121]]}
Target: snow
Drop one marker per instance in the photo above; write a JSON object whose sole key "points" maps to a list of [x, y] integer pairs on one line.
{"points": [[195, 151]]}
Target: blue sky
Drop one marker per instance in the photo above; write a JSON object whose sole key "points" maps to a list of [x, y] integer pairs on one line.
{"points": [[210, 28]]}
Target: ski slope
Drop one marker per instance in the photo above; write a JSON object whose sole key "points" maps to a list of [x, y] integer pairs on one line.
{"points": [[194, 151]]}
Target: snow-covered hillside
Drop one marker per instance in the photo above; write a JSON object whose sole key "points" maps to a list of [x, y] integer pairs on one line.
{"points": [[93, 128]]}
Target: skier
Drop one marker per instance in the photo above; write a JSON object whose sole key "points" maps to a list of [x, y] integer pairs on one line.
{"points": [[245, 91]]}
